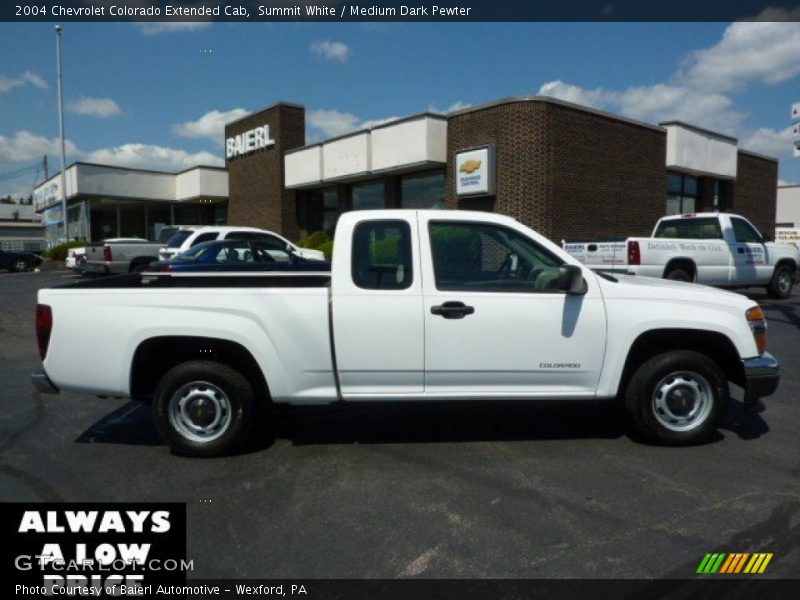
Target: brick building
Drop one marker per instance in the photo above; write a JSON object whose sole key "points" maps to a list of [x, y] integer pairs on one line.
{"points": [[566, 170]]}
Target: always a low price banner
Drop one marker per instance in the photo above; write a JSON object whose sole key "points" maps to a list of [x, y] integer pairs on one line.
{"points": [[88, 549]]}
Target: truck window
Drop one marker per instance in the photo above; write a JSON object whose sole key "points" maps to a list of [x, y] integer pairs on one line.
{"points": [[204, 237], [382, 255], [744, 232], [177, 239], [483, 257], [706, 228]]}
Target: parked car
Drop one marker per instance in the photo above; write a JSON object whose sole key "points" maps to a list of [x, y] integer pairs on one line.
{"points": [[720, 249], [114, 256], [419, 305], [237, 255], [187, 237], [19, 261]]}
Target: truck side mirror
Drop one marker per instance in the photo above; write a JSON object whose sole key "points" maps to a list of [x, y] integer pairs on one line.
{"points": [[570, 279], [767, 238]]}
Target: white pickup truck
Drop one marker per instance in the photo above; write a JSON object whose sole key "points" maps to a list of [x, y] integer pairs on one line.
{"points": [[419, 305], [719, 249]]}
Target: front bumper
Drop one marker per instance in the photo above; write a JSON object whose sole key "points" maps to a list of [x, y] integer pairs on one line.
{"points": [[42, 383], [761, 376]]}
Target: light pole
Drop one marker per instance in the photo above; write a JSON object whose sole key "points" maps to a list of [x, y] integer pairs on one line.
{"points": [[61, 133]]}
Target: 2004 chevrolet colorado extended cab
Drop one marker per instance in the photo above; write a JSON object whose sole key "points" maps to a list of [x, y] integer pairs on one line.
{"points": [[419, 305]]}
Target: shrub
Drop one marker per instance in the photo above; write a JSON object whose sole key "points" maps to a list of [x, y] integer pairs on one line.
{"points": [[319, 240], [59, 252]]}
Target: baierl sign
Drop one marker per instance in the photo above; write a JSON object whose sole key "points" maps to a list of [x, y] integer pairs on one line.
{"points": [[246, 142]]}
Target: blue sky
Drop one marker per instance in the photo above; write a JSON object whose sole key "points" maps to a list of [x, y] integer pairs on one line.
{"points": [[151, 95]]}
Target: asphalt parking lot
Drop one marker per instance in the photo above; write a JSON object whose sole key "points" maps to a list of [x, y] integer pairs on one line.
{"points": [[477, 490]]}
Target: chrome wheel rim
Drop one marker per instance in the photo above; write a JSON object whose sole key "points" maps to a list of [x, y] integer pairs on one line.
{"points": [[200, 411], [682, 401], [784, 281], [20, 265]]}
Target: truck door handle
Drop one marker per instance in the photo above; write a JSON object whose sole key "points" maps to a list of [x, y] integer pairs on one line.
{"points": [[452, 310]]}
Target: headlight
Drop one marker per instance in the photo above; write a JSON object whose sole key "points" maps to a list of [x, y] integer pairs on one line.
{"points": [[758, 325]]}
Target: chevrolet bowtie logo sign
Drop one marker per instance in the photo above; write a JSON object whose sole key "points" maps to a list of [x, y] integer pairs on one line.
{"points": [[734, 563], [470, 166]]}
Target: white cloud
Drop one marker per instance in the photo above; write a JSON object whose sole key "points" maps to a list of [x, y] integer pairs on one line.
{"points": [[370, 123], [210, 126], [457, 105], [332, 122], [765, 52], [148, 156], [335, 51], [156, 28], [596, 98], [28, 77], [102, 108], [699, 93], [769, 141], [25, 146]]}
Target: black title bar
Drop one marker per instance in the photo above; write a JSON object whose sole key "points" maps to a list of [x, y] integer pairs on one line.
{"points": [[389, 10]]}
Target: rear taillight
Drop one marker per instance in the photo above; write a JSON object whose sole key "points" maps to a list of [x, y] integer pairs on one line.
{"points": [[634, 254], [44, 325], [107, 253]]}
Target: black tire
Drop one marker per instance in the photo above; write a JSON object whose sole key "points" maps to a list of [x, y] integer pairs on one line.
{"points": [[208, 379], [782, 282], [679, 275], [683, 372], [139, 265], [18, 265]]}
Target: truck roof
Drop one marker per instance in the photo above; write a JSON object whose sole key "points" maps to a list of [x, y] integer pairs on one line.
{"points": [[690, 216]]}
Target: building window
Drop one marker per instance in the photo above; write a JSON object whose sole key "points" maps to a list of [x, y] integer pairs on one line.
{"points": [[369, 195], [330, 209], [424, 190], [681, 193]]}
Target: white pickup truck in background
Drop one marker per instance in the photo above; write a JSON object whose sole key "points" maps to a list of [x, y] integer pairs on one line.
{"points": [[419, 305], [719, 249]]}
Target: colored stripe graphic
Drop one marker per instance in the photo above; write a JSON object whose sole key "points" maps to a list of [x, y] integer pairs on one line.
{"points": [[734, 562], [758, 563], [711, 563]]}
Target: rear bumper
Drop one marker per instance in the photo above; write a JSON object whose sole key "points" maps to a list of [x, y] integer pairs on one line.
{"points": [[761, 376], [42, 383]]}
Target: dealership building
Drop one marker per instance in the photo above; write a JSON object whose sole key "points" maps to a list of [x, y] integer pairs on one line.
{"points": [[569, 171]]}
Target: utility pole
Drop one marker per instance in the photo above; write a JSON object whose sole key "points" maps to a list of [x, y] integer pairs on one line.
{"points": [[44, 162], [61, 132]]}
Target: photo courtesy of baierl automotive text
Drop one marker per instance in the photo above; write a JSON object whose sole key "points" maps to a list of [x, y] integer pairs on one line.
{"points": [[467, 300]]}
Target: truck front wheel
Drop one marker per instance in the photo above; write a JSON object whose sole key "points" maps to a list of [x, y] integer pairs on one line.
{"points": [[204, 408], [677, 398], [782, 282]]}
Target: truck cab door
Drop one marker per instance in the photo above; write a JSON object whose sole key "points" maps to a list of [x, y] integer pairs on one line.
{"points": [[750, 264], [376, 309], [496, 324]]}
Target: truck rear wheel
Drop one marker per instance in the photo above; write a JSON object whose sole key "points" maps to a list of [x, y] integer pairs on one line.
{"points": [[679, 275], [204, 408], [782, 282], [677, 398]]}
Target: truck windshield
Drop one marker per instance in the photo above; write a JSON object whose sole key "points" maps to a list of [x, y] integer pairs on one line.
{"points": [[178, 238], [703, 228]]}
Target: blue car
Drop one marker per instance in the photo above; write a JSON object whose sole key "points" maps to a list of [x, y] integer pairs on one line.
{"points": [[238, 255]]}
